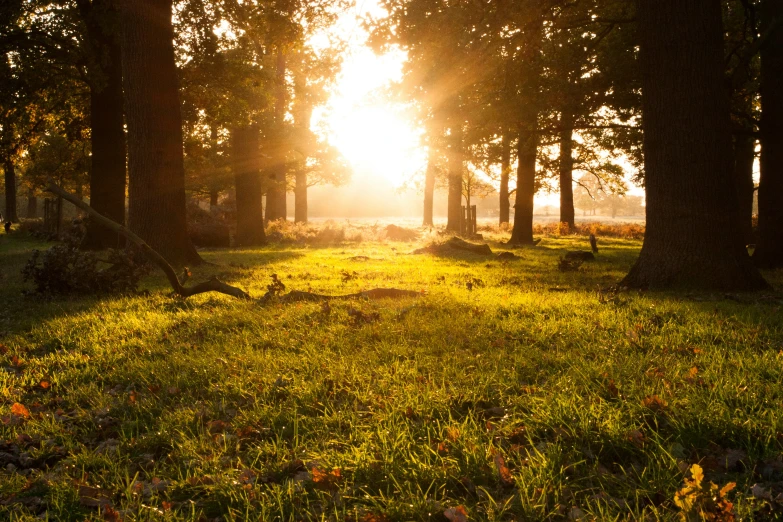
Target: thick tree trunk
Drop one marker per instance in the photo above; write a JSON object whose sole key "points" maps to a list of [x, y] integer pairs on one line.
{"points": [[693, 237], [213, 199], [567, 170], [300, 196], [429, 188], [455, 166], [276, 193], [156, 178], [32, 207], [249, 186], [10, 191], [769, 249], [744, 157], [107, 132], [522, 233], [505, 170]]}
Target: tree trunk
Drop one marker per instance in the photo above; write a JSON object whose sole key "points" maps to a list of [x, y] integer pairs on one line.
{"points": [[522, 233], [567, 170], [505, 170], [156, 178], [744, 157], [213, 199], [693, 237], [276, 194], [455, 180], [249, 186], [32, 207], [107, 131], [10, 191], [429, 188], [769, 249], [300, 196]]}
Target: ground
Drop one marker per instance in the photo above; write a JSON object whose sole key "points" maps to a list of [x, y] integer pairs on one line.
{"points": [[508, 390]]}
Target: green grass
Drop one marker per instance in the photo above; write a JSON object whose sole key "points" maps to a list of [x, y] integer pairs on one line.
{"points": [[217, 408]]}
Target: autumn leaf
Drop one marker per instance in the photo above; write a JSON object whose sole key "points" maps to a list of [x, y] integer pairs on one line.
{"points": [[216, 426], [3, 349], [45, 385], [20, 411], [456, 514], [636, 437], [505, 474], [654, 403], [93, 497], [324, 480]]}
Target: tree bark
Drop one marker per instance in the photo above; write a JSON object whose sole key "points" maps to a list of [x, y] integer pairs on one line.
{"points": [[249, 186], [567, 170], [11, 215], [769, 249], [32, 207], [107, 131], [276, 193], [300, 196], [213, 199], [693, 238], [505, 170], [455, 179], [429, 188], [522, 233], [156, 171], [744, 157]]}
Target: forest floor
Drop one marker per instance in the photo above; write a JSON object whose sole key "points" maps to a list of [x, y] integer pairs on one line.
{"points": [[508, 391]]}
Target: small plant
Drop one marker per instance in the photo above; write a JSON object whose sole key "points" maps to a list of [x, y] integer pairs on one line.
{"points": [[698, 501], [64, 269]]}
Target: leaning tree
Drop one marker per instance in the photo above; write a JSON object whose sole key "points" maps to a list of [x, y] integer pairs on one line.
{"points": [[693, 236]]}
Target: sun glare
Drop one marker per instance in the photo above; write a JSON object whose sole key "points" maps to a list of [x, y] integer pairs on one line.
{"points": [[374, 135]]}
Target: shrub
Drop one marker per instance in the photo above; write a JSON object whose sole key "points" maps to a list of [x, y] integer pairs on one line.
{"points": [[64, 269]]}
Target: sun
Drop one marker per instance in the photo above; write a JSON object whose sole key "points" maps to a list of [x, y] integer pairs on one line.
{"points": [[375, 135], [377, 141]]}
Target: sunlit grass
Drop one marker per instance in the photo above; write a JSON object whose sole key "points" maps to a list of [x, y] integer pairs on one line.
{"points": [[204, 408]]}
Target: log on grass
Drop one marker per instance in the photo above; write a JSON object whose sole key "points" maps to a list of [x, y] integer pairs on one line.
{"points": [[212, 285]]}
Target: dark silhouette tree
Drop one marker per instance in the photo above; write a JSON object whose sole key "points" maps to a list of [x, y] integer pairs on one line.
{"points": [[769, 249], [107, 174], [693, 237], [156, 181]]}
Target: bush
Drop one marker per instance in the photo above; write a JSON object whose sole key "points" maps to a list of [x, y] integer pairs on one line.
{"points": [[64, 269]]}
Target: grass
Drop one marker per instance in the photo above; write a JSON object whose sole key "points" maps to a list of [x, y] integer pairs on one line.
{"points": [[531, 396]]}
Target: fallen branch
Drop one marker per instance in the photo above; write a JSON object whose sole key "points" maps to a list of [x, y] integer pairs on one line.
{"points": [[213, 285], [375, 293]]}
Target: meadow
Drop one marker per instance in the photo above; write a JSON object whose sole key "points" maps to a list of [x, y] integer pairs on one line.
{"points": [[508, 390]]}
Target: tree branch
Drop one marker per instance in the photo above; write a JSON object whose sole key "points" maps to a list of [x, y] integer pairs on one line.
{"points": [[213, 285]]}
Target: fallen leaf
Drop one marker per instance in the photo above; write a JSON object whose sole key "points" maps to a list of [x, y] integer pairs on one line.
{"points": [[20, 410], [654, 403], [325, 480], [45, 385], [456, 514], [93, 497], [505, 474]]}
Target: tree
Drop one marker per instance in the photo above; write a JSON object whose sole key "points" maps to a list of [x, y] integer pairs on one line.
{"points": [[769, 250], [107, 132], [693, 237], [249, 186], [155, 157]]}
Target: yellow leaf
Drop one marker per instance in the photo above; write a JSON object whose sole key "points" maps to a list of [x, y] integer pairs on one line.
{"points": [[697, 473]]}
